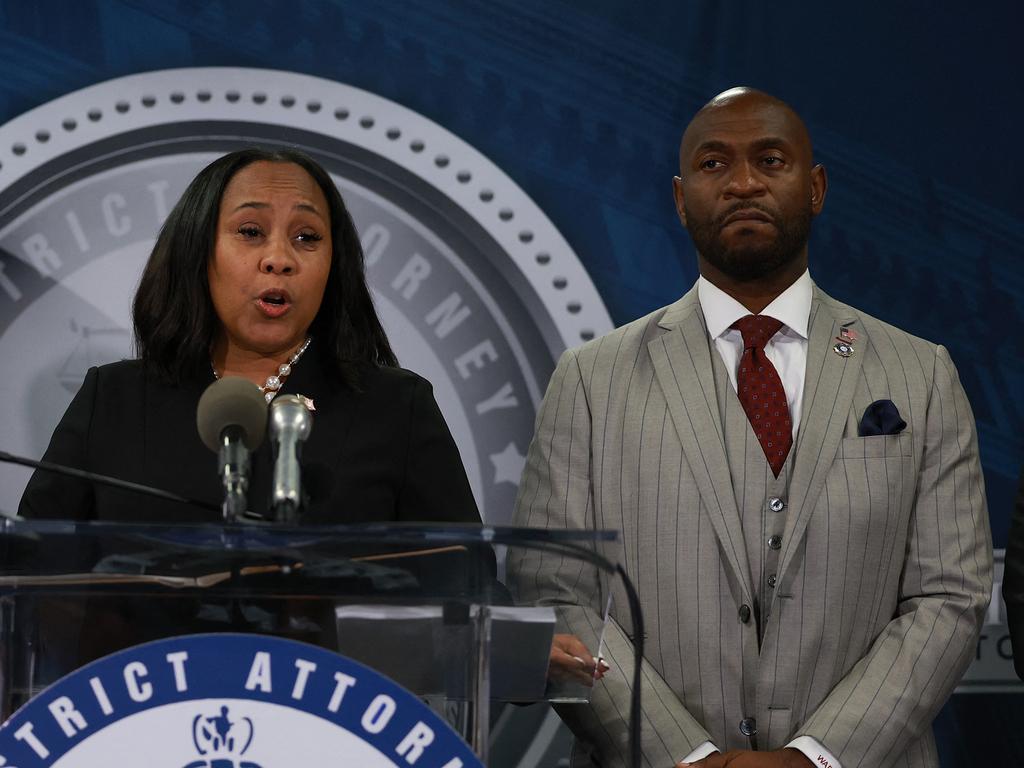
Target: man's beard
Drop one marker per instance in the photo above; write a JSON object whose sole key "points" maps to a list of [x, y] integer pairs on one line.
{"points": [[747, 263]]}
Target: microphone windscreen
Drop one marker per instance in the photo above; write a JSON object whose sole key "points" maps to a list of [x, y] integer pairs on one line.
{"points": [[232, 402]]}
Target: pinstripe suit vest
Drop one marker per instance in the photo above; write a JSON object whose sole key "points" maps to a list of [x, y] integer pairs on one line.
{"points": [[754, 486]]}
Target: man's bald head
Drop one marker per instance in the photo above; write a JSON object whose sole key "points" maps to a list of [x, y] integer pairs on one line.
{"points": [[743, 102], [748, 188]]}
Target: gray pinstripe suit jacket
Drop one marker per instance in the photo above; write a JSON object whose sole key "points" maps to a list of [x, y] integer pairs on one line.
{"points": [[884, 572]]}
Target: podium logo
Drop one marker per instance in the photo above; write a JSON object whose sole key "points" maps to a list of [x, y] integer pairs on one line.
{"points": [[222, 741], [229, 701], [476, 288]]}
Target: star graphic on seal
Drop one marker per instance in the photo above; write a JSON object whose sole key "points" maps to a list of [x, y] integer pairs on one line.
{"points": [[508, 464]]}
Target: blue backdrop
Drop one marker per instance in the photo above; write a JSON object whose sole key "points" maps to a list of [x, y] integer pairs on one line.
{"points": [[914, 108]]}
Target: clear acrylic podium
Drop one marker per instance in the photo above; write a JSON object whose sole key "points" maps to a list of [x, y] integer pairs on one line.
{"points": [[421, 603]]}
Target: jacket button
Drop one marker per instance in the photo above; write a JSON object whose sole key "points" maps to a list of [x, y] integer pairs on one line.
{"points": [[775, 542], [771, 581], [744, 613], [775, 504], [748, 726]]}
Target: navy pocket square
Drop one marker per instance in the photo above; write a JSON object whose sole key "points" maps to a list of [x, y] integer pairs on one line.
{"points": [[881, 418]]}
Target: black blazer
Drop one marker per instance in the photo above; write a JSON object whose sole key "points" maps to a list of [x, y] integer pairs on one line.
{"points": [[381, 454], [1013, 581]]}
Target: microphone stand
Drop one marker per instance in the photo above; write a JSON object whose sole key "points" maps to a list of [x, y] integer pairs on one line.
{"points": [[231, 418], [234, 468], [113, 482]]}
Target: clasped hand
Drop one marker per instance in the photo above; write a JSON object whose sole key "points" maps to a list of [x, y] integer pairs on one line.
{"points": [[571, 661], [744, 758]]}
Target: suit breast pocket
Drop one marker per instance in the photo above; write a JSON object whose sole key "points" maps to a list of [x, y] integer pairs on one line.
{"points": [[878, 446]]}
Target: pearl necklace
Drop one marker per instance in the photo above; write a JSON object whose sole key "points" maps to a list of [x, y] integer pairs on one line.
{"points": [[275, 381]]}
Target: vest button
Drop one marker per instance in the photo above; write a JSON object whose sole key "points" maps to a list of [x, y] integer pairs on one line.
{"points": [[744, 613], [748, 726], [771, 581], [775, 542], [775, 504]]}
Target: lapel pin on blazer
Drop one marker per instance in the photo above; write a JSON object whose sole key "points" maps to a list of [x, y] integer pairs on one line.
{"points": [[843, 348], [844, 342], [882, 417]]}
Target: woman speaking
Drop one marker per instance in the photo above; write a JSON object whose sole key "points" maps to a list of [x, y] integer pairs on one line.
{"points": [[258, 272]]}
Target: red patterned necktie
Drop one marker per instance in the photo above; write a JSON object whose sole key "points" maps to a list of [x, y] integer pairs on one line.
{"points": [[760, 391]]}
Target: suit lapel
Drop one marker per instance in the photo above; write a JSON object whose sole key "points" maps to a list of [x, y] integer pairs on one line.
{"points": [[829, 385], [682, 365]]}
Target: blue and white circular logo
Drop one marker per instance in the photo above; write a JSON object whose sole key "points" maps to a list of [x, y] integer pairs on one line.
{"points": [[228, 701]]}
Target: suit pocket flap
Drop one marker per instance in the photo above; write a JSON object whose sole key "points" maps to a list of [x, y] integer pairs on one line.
{"points": [[877, 446]]}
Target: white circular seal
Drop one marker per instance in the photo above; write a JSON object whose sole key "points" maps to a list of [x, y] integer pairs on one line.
{"points": [[476, 288], [228, 701]]}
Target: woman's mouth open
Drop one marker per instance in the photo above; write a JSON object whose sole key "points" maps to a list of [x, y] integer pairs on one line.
{"points": [[274, 303]]}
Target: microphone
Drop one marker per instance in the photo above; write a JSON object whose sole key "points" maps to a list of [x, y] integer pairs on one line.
{"points": [[232, 418], [290, 425]]}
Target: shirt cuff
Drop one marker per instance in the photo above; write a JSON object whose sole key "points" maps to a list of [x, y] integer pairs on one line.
{"points": [[700, 752], [816, 753]]}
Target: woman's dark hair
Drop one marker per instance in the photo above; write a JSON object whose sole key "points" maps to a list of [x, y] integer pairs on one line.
{"points": [[174, 317]]}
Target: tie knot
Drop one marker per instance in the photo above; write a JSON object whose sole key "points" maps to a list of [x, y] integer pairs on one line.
{"points": [[756, 330]]}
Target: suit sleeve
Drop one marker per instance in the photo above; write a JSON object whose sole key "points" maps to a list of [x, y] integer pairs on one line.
{"points": [[49, 495], [556, 491], [1013, 580], [891, 695], [435, 487]]}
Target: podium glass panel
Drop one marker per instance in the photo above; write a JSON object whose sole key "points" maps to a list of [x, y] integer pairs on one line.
{"points": [[421, 604]]}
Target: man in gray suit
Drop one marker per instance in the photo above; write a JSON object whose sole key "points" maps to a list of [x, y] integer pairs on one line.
{"points": [[796, 485]]}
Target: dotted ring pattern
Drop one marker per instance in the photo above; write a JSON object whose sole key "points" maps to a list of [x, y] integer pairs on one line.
{"points": [[341, 114]]}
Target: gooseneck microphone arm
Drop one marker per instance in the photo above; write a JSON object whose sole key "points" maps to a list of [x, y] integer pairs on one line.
{"points": [[113, 482]]}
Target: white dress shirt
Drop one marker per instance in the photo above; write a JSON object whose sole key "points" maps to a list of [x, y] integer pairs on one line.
{"points": [[787, 350]]}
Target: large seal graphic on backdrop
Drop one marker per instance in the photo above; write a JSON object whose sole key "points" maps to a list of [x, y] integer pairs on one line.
{"points": [[477, 289]]}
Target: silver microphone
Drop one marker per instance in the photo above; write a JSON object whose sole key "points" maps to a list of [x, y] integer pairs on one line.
{"points": [[290, 425]]}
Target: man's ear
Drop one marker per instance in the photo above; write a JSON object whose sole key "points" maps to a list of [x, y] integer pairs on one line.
{"points": [[819, 186], [677, 193]]}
